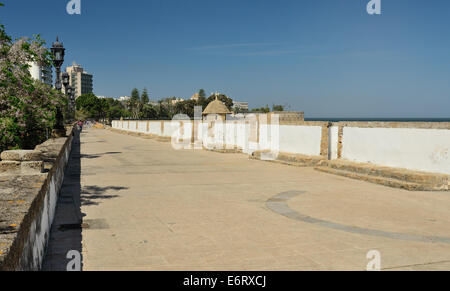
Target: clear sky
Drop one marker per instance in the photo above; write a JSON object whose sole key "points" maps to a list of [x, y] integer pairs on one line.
{"points": [[326, 57]]}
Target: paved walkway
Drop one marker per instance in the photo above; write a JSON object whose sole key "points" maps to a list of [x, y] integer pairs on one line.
{"points": [[148, 207]]}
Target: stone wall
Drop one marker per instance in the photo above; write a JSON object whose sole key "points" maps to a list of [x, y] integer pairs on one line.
{"points": [[27, 206]]}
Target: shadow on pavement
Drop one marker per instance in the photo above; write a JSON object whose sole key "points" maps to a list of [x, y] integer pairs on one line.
{"points": [[91, 194], [95, 156], [66, 231], [65, 234]]}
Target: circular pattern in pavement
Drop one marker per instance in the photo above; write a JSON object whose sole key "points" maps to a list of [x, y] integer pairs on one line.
{"points": [[278, 204]]}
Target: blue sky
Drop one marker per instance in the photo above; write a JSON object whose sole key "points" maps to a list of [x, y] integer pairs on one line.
{"points": [[326, 57]]}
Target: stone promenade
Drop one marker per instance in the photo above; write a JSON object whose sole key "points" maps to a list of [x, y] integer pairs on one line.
{"points": [[145, 206]]}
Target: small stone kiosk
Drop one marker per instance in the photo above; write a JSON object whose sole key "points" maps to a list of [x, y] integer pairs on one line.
{"points": [[216, 110]]}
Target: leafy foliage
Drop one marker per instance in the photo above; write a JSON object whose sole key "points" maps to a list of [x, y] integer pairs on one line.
{"points": [[262, 109], [201, 93], [139, 107], [27, 107], [90, 106], [277, 107], [144, 97]]}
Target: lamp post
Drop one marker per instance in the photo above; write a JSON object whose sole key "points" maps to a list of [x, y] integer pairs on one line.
{"points": [[68, 90], [65, 80], [58, 52], [71, 102]]}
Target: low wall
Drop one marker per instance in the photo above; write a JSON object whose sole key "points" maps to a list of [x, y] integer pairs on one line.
{"points": [[297, 139], [28, 206], [419, 146]]}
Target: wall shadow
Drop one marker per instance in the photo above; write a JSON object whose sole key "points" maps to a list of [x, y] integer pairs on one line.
{"points": [[66, 230], [65, 233]]}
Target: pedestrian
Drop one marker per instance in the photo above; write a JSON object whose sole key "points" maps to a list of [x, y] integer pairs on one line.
{"points": [[80, 125]]}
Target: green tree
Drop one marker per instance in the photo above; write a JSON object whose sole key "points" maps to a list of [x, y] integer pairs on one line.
{"points": [[222, 97], [185, 107], [262, 109], [135, 96], [115, 109], [149, 112], [90, 105], [277, 107], [27, 107], [135, 104], [144, 97], [201, 93]]}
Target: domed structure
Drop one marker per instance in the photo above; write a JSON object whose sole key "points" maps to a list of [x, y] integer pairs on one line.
{"points": [[216, 107]]}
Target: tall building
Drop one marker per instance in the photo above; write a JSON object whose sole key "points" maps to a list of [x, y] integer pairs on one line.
{"points": [[80, 80], [43, 74]]}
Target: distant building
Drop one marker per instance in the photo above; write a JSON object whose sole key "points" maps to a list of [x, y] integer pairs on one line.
{"points": [[41, 74], [195, 97], [240, 105], [80, 80], [124, 98], [177, 100]]}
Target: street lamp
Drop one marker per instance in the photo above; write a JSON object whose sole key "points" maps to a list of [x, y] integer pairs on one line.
{"points": [[68, 89], [71, 102], [65, 79], [43, 76], [58, 51], [70, 94]]}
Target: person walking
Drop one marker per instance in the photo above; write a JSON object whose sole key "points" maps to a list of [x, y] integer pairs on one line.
{"points": [[80, 125]]}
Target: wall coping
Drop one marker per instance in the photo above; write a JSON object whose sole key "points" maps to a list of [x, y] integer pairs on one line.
{"points": [[393, 124], [361, 124]]}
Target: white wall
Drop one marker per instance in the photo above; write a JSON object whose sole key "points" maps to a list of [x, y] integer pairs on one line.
{"points": [[155, 128], [168, 130], [142, 126], [303, 140], [416, 149], [410, 148]]}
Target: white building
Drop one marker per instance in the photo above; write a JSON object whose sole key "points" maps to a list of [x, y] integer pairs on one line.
{"points": [[240, 105], [124, 98], [177, 100], [80, 80], [41, 74], [195, 97]]}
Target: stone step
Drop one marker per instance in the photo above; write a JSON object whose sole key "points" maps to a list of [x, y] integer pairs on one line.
{"points": [[391, 182], [438, 180], [289, 159]]}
